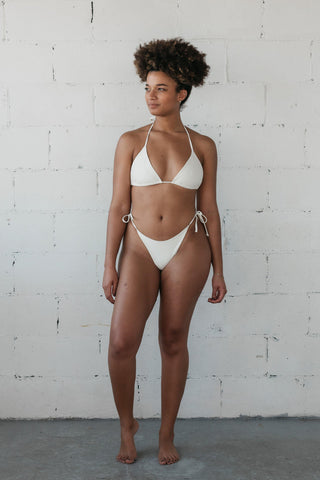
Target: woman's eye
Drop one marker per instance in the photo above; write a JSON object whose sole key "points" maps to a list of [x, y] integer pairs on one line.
{"points": [[147, 89]]}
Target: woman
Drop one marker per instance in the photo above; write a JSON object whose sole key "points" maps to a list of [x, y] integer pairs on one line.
{"points": [[168, 245]]}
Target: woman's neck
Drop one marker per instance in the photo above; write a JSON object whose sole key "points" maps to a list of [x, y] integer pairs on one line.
{"points": [[169, 123]]}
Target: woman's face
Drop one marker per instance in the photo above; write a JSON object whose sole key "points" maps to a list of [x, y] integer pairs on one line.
{"points": [[161, 95]]}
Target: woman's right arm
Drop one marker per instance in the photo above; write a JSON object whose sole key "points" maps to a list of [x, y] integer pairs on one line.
{"points": [[120, 205]]}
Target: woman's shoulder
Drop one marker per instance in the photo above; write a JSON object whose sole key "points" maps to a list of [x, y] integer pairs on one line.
{"points": [[134, 135], [128, 141], [202, 142]]}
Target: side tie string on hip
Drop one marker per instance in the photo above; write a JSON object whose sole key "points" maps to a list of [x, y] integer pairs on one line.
{"points": [[127, 218], [203, 219]]}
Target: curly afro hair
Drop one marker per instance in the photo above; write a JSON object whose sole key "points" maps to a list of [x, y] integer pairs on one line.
{"points": [[177, 58]]}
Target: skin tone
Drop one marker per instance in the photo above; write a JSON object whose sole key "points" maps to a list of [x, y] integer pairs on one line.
{"points": [[134, 286]]}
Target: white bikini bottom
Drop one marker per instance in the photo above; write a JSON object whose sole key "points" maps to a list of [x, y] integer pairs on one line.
{"points": [[162, 251]]}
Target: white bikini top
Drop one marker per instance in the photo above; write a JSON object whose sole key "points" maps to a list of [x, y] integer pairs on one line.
{"points": [[143, 174]]}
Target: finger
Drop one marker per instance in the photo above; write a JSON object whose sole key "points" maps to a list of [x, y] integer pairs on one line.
{"points": [[215, 292], [108, 293], [218, 298], [114, 287], [113, 293], [215, 295], [212, 300], [110, 298]]}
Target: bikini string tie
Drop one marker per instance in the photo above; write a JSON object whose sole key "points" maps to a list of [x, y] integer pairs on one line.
{"points": [[127, 218], [203, 219]]}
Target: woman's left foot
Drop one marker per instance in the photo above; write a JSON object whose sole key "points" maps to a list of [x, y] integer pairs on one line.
{"points": [[167, 451]]}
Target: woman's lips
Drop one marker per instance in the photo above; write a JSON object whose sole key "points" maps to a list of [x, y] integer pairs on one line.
{"points": [[152, 105]]}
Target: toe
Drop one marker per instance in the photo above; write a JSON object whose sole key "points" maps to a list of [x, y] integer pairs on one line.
{"points": [[130, 460]]}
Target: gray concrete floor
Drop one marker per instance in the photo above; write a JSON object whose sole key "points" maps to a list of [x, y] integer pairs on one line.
{"points": [[210, 449]]}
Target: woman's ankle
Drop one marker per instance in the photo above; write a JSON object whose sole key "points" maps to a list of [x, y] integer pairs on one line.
{"points": [[166, 433], [127, 424]]}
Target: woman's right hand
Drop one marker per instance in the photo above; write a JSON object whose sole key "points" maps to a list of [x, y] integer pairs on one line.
{"points": [[110, 283]]}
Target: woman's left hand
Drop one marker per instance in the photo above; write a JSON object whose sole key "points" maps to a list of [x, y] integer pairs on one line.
{"points": [[218, 289]]}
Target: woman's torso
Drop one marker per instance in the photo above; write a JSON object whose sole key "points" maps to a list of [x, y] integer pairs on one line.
{"points": [[162, 210]]}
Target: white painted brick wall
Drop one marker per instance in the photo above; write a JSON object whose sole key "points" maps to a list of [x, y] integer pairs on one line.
{"points": [[68, 89], [254, 61]]}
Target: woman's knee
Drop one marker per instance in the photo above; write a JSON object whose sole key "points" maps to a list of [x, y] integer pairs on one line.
{"points": [[122, 347], [173, 341]]}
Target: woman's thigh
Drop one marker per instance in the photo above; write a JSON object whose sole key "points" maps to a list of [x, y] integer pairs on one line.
{"points": [[137, 291], [182, 281]]}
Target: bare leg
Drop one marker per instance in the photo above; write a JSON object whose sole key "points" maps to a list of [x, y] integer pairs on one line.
{"points": [[181, 284], [136, 294]]}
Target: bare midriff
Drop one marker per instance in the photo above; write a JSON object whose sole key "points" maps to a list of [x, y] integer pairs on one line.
{"points": [[161, 211]]}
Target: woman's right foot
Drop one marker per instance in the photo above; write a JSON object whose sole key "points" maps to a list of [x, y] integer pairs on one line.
{"points": [[128, 452], [167, 451]]}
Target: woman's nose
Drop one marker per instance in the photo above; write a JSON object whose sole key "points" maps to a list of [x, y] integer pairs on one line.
{"points": [[152, 93]]}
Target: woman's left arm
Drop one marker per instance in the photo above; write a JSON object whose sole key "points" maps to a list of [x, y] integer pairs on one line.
{"points": [[207, 203]]}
